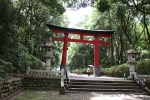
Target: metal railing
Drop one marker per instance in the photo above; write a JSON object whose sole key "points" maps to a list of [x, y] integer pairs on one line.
{"points": [[140, 82]]}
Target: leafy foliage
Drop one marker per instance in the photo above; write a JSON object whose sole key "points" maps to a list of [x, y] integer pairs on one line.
{"points": [[103, 5], [142, 67], [23, 31], [5, 67], [131, 27], [36, 63], [81, 57], [24, 22], [9, 18], [116, 71]]}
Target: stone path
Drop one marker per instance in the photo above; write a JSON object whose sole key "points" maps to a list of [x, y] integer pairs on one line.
{"points": [[54, 95], [92, 77]]}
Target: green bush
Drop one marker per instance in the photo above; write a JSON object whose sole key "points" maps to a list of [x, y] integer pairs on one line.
{"points": [[121, 69], [5, 67], [112, 71], [143, 67], [84, 71], [36, 63], [116, 71], [104, 71]]}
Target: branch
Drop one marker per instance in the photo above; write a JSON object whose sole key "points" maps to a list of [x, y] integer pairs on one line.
{"points": [[136, 6], [138, 9]]}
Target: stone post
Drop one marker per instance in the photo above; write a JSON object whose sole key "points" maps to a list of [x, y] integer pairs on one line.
{"points": [[28, 70], [62, 88], [49, 47], [131, 53]]}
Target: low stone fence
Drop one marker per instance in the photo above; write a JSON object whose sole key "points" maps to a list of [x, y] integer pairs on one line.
{"points": [[9, 87], [42, 73], [144, 78], [43, 79]]}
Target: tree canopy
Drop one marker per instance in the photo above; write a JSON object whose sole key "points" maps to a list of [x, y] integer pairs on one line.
{"points": [[129, 19], [23, 31]]}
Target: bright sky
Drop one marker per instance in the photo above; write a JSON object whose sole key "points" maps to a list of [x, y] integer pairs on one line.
{"points": [[76, 16]]}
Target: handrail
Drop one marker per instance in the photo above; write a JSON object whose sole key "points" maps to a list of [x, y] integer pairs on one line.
{"points": [[67, 79], [140, 82]]}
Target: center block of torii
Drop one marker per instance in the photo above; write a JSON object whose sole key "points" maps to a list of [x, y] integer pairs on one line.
{"points": [[96, 42]]}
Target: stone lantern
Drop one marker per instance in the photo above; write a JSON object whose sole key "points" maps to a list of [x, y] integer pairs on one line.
{"points": [[131, 53], [49, 47]]}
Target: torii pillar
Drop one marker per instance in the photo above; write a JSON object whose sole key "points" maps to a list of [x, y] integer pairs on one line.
{"points": [[64, 53], [96, 57]]}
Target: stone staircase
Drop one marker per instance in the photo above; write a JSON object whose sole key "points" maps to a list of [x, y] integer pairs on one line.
{"points": [[93, 85]]}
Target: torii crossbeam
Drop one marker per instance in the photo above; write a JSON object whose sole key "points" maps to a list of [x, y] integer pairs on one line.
{"points": [[96, 42]]}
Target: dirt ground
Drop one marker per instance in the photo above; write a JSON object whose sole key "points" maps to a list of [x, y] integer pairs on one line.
{"points": [[54, 95]]}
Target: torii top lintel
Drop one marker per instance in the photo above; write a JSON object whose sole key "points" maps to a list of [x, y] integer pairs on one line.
{"points": [[101, 33]]}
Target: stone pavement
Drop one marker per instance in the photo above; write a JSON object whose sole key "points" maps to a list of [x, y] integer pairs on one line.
{"points": [[54, 95], [92, 77]]}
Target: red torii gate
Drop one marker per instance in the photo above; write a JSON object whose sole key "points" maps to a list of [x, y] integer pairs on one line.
{"points": [[82, 33]]}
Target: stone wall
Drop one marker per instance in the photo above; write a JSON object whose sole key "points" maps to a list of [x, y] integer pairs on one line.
{"points": [[37, 83], [10, 87]]}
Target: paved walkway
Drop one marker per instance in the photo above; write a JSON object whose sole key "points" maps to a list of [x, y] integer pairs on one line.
{"points": [[54, 95], [92, 77]]}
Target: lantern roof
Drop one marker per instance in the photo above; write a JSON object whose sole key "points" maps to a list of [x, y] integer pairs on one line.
{"points": [[49, 44], [131, 50]]}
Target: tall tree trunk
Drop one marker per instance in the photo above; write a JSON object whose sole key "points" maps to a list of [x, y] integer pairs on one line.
{"points": [[111, 40], [146, 27], [112, 51], [120, 57]]}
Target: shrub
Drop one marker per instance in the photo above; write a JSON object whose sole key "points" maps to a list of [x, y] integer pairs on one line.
{"points": [[36, 63], [5, 67], [111, 71], [116, 71], [143, 67], [84, 71], [121, 69]]}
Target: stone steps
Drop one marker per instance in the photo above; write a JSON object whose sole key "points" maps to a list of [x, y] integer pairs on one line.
{"points": [[102, 85], [106, 90]]}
